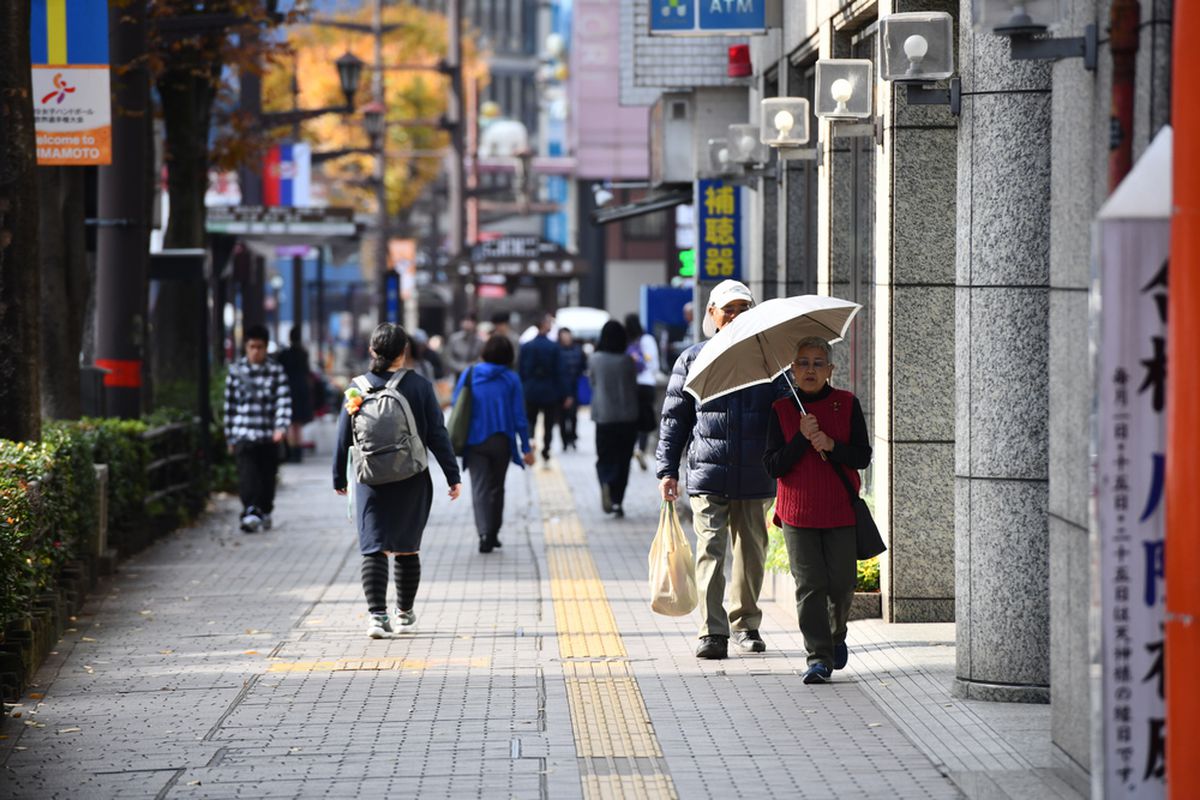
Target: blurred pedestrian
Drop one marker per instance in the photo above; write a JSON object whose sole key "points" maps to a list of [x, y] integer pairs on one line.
{"points": [[499, 433], [729, 488], [615, 412], [544, 381], [575, 363], [644, 351], [464, 347], [813, 503], [294, 361], [391, 517], [258, 413], [502, 324]]}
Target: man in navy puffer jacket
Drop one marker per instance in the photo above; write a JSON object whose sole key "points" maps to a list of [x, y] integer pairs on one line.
{"points": [[729, 489]]}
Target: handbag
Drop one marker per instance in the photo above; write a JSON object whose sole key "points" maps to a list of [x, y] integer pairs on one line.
{"points": [[459, 424], [672, 571], [868, 542]]}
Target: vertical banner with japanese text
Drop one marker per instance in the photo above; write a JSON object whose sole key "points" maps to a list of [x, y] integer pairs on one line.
{"points": [[1131, 374], [718, 230], [71, 102]]}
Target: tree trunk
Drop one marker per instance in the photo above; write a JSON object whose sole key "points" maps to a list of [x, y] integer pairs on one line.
{"points": [[65, 285], [20, 307]]}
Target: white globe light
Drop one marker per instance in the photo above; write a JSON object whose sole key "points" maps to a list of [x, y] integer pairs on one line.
{"points": [[916, 47], [841, 91], [784, 122], [746, 145], [723, 155]]}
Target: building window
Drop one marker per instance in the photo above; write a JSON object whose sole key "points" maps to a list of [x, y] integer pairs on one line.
{"points": [[645, 227]]}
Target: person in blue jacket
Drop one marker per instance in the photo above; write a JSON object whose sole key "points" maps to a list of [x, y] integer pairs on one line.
{"points": [[544, 378], [729, 488], [499, 433]]}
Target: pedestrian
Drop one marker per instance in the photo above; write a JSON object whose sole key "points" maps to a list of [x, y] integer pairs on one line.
{"points": [[391, 517], [502, 325], [813, 504], [544, 380], [644, 351], [575, 363], [294, 361], [615, 412], [729, 489], [499, 433], [258, 413], [464, 347]]}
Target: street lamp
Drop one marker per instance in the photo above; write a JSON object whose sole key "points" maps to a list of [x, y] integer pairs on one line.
{"points": [[917, 48], [1025, 22], [373, 122], [349, 68]]}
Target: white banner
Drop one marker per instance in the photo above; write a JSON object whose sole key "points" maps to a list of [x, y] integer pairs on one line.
{"points": [[1131, 373]]}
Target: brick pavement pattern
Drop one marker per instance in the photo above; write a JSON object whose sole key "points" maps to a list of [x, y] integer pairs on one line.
{"points": [[217, 664]]}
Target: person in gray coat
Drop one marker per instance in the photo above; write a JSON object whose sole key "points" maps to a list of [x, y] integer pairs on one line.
{"points": [[615, 412], [728, 485]]}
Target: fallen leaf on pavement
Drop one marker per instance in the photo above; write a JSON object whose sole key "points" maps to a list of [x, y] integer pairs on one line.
{"points": [[69, 730]]}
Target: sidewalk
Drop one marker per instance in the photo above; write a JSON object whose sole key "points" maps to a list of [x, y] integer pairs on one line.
{"points": [[217, 664]]}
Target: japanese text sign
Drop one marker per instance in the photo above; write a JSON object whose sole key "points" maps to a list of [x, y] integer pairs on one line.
{"points": [[707, 17], [71, 105], [719, 231], [1130, 421]]}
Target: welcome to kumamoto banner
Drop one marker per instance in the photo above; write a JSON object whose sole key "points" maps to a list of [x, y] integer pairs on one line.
{"points": [[71, 103], [1131, 375]]}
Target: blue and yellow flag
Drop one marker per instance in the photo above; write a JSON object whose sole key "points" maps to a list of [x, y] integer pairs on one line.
{"points": [[68, 32]]}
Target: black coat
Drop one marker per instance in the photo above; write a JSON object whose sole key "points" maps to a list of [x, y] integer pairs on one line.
{"points": [[391, 517], [725, 438]]}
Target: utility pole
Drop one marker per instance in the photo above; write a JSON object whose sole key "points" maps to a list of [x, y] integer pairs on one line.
{"points": [[457, 182], [122, 242], [377, 96]]}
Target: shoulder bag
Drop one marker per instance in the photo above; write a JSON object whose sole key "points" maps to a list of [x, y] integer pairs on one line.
{"points": [[459, 425], [869, 542]]}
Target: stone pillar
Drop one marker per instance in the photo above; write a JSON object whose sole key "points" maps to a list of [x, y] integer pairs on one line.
{"points": [[1001, 361]]}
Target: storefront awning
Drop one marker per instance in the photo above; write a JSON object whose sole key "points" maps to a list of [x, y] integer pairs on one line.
{"points": [[659, 201]]}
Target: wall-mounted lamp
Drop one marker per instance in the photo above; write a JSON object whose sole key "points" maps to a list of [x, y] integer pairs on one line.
{"points": [[1025, 23], [916, 48], [720, 162], [744, 145], [784, 126], [844, 91]]}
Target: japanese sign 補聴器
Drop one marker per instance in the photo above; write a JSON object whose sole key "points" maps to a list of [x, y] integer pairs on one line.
{"points": [[718, 231], [1131, 375], [707, 17], [71, 106]]}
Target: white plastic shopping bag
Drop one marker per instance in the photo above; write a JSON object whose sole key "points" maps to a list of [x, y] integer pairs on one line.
{"points": [[672, 571]]}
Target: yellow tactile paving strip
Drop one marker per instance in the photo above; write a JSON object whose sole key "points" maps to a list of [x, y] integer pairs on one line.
{"points": [[619, 755]]}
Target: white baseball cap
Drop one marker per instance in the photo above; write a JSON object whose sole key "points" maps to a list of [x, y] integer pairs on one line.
{"points": [[722, 295]]}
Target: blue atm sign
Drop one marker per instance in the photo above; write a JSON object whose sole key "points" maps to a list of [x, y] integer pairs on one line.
{"points": [[707, 17]]}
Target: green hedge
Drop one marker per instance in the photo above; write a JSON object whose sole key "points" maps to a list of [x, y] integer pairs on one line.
{"points": [[777, 557], [40, 531]]}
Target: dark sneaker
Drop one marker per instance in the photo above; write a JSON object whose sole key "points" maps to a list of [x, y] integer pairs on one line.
{"points": [[841, 654], [618, 512], [749, 642], [713, 647], [485, 544], [606, 502], [817, 673], [266, 522]]}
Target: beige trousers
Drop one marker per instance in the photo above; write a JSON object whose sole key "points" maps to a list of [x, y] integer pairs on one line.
{"points": [[717, 520]]}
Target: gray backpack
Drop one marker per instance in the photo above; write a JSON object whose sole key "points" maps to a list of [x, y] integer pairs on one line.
{"points": [[386, 445]]}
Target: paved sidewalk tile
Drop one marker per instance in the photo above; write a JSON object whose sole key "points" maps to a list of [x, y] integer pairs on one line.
{"points": [[218, 665]]}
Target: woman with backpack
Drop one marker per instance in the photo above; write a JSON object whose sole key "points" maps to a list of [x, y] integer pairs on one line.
{"points": [[391, 417], [497, 423]]}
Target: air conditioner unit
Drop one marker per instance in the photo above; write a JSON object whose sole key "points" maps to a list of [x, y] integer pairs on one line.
{"points": [[671, 139]]}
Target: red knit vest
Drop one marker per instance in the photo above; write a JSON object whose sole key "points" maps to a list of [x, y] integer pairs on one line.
{"points": [[811, 495]]}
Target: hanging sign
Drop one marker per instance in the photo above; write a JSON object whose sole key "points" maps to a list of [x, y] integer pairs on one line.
{"points": [[708, 17], [71, 103], [718, 230]]}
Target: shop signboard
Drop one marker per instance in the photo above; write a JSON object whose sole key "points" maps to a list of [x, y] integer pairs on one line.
{"points": [[708, 17], [718, 230]]}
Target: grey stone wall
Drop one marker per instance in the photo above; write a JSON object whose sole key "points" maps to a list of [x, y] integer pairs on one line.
{"points": [[1002, 311]]}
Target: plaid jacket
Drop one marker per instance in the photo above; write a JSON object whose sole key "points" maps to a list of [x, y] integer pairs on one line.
{"points": [[257, 401]]}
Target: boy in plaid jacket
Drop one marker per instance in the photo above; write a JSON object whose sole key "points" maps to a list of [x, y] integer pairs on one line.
{"points": [[258, 411]]}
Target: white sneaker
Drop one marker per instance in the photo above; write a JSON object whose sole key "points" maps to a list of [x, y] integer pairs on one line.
{"points": [[251, 523], [379, 626], [406, 621], [266, 522]]}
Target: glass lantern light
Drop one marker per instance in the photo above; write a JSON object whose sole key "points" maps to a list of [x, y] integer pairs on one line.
{"points": [[720, 161], [916, 46], [1016, 17], [844, 90], [784, 121], [744, 146]]}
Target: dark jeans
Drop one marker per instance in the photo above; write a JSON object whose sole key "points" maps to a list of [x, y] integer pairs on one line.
{"points": [[257, 463], [825, 569], [488, 462], [549, 412], [614, 448], [566, 424]]}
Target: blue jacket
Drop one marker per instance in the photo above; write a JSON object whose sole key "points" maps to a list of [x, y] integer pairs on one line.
{"points": [[497, 406], [543, 372], [725, 438]]}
